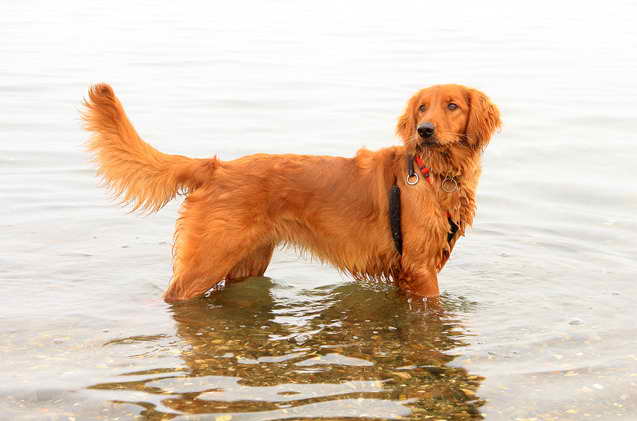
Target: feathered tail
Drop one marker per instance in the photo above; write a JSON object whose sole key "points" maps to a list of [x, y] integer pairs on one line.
{"points": [[137, 173]]}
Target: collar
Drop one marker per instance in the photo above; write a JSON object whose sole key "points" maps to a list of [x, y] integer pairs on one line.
{"points": [[449, 183], [423, 168], [412, 176]]}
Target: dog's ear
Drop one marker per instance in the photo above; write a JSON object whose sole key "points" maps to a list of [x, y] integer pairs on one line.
{"points": [[406, 126], [484, 118]]}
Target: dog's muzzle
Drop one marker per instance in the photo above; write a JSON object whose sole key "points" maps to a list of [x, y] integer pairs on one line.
{"points": [[426, 130]]}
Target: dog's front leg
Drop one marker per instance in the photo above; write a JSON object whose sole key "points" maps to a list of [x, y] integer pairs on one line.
{"points": [[424, 240], [418, 279]]}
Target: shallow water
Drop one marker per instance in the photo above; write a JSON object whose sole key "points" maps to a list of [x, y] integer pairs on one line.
{"points": [[538, 318]]}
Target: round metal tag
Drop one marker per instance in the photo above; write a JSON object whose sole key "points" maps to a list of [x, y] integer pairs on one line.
{"points": [[449, 185]]}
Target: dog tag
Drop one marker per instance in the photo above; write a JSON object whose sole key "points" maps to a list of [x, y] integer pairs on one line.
{"points": [[449, 185]]}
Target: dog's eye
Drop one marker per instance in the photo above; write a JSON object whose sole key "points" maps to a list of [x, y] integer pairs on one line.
{"points": [[422, 108], [452, 106]]}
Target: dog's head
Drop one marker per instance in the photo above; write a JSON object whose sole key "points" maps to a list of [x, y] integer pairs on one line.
{"points": [[444, 115]]}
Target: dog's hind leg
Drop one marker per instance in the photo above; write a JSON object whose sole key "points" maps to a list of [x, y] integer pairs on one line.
{"points": [[254, 264], [209, 244], [200, 266]]}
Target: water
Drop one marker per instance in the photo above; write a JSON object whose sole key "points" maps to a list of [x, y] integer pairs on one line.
{"points": [[538, 318]]}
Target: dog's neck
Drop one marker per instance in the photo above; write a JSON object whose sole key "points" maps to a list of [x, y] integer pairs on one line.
{"points": [[452, 161], [462, 163]]}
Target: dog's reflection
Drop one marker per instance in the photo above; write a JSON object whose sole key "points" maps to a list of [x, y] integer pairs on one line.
{"points": [[349, 334], [261, 346]]}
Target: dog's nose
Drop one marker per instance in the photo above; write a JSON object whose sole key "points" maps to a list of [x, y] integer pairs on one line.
{"points": [[426, 130]]}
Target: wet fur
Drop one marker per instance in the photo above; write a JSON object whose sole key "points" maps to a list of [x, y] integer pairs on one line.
{"points": [[237, 211]]}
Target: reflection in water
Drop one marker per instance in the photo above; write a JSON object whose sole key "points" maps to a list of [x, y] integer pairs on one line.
{"points": [[335, 352]]}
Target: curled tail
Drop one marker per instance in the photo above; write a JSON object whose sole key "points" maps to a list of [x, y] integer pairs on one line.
{"points": [[136, 172]]}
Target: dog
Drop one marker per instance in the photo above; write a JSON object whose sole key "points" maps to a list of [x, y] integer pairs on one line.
{"points": [[393, 214]]}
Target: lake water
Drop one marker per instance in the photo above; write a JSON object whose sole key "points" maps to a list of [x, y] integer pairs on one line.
{"points": [[539, 298]]}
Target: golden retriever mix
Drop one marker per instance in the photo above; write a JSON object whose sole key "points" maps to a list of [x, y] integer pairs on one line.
{"points": [[391, 214]]}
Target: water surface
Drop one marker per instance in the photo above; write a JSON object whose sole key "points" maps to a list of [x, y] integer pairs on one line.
{"points": [[537, 318]]}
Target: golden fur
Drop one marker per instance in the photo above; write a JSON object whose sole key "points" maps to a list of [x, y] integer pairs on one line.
{"points": [[237, 211]]}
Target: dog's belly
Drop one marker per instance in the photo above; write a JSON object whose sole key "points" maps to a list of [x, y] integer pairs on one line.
{"points": [[358, 249]]}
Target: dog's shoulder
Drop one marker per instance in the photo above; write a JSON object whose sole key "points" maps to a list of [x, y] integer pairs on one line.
{"points": [[383, 166], [366, 158]]}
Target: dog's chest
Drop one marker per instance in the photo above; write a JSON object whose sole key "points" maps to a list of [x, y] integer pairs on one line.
{"points": [[443, 199]]}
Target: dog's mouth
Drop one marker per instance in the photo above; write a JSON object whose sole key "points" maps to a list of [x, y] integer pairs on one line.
{"points": [[430, 144], [433, 143]]}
